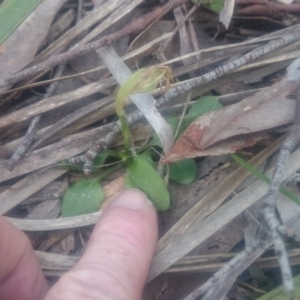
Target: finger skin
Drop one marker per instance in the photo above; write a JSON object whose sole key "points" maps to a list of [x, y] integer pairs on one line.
{"points": [[116, 261], [20, 273]]}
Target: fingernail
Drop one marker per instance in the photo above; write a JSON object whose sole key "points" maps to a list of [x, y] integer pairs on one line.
{"points": [[131, 199]]}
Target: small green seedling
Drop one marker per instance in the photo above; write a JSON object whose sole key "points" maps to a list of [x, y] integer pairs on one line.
{"points": [[144, 80], [82, 196], [140, 173]]}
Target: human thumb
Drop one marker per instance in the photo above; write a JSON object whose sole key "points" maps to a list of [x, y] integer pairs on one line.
{"points": [[117, 257]]}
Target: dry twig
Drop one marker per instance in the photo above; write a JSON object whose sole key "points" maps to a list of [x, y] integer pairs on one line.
{"points": [[132, 28], [30, 135], [28, 139], [114, 128], [216, 287], [269, 204]]}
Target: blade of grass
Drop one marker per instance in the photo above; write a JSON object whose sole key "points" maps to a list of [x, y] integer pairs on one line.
{"points": [[264, 178]]}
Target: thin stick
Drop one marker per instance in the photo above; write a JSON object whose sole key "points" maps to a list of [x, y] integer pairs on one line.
{"points": [[30, 135], [269, 205], [228, 68], [177, 27], [220, 283], [114, 128], [215, 288], [185, 106], [79, 11], [132, 28], [28, 139]]}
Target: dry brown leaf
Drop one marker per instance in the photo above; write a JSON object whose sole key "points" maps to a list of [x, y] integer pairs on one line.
{"points": [[185, 149], [54, 238], [270, 108], [65, 246]]}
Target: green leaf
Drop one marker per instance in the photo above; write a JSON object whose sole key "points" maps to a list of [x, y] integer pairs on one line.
{"points": [[102, 156], [85, 196], [13, 13], [264, 178], [125, 90], [214, 5], [143, 80], [201, 107], [127, 183], [183, 171], [141, 175], [97, 163], [147, 156]]}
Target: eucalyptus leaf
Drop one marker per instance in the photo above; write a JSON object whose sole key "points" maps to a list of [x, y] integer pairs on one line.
{"points": [[183, 171], [84, 197], [13, 13], [141, 175]]}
